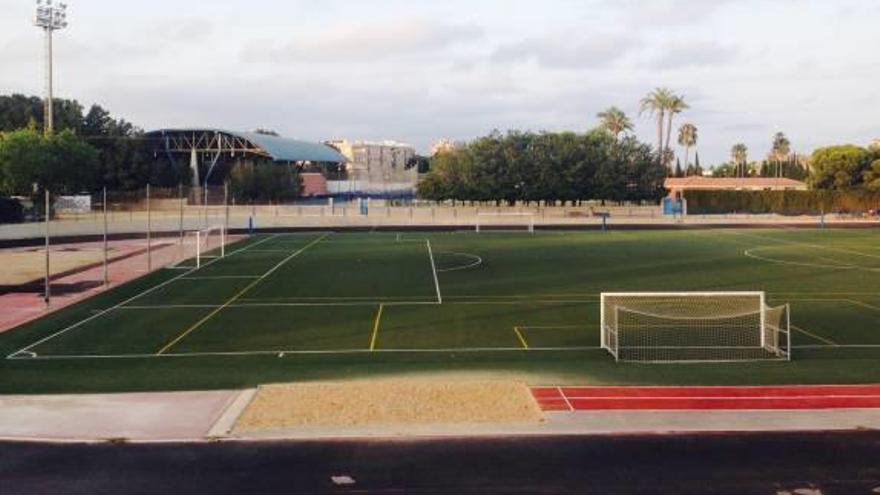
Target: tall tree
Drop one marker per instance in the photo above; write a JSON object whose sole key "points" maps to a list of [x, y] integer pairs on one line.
{"points": [[687, 137], [674, 106], [655, 104], [740, 155], [615, 121], [780, 151]]}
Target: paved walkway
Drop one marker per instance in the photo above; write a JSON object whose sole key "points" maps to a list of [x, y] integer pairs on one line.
{"points": [[200, 416]]}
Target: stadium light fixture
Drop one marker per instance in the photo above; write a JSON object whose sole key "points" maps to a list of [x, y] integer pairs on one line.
{"points": [[49, 17]]}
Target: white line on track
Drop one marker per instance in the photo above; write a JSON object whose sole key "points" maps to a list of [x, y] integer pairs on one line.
{"points": [[133, 298], [434, 270], [339, 352]]}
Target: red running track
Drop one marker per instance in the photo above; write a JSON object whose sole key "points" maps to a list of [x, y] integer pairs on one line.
{"points": [[707, 398]]}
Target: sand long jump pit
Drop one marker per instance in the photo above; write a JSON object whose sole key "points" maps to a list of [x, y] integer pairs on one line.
{"points": [[324, 406]]}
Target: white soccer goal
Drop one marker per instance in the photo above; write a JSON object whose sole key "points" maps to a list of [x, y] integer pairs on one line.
{"points": [[197, 246], [694, 327], [506, 221]]}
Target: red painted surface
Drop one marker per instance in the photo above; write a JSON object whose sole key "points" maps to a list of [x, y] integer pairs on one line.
{"points": [[707, 398]]}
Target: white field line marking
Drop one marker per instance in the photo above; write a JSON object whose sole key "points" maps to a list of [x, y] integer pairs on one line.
{"points": [[434, 270], [565, 398], [838, 346], [477, 261], [862, 304], [749, 254], [223, 277], [135, 297], [807, 244], [334, 299], [813, 335], [553, 327], [337, 352], [231, 300]]}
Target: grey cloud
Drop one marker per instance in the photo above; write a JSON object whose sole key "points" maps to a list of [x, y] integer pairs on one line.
{"points": [[366, 42], [568, 51], [679, 55]]}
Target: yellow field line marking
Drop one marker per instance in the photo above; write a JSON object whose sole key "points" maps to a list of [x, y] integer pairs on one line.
{"points": [[236, 296], [519, 335], [811, 334], [376, 327], [862, 304]]}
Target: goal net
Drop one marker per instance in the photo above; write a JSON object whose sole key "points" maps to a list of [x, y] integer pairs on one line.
{"points": [[199, 246], [694, 327], [520, 222]]}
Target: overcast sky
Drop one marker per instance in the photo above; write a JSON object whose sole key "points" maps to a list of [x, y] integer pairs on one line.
{"points": [[419, 70]]}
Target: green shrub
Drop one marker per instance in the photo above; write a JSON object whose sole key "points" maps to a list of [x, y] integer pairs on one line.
{"points": [[782, 202]]}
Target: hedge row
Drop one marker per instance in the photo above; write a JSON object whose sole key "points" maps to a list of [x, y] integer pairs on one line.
{"points": [[781, 202], [11, 211]]}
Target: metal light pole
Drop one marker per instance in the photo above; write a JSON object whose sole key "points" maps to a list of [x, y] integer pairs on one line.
{"points": [[49, 18]]}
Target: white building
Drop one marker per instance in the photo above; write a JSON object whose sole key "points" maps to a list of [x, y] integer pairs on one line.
{"points": [[377, 167]]}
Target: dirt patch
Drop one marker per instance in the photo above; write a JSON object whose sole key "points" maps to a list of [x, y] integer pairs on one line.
{"points": [[18, 266], [389, 402]]}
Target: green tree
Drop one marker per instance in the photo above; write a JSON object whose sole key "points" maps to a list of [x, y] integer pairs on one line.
{"points": [[687, 137], [615, 121], [840, 167], [655, 104], [674, 106], [740, 155], [31, 162], [780, 151]]}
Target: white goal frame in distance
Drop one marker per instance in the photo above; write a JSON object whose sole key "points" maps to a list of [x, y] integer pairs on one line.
{"points": [[205, 232], [612, 348], [530, 216]]}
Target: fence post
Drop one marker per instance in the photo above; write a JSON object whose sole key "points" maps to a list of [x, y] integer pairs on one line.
{"points": [[149, 234], [180, 200], [48, 294], [106, 268]]}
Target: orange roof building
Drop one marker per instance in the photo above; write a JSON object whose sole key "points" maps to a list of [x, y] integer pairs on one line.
{"points": [[677, 186]]}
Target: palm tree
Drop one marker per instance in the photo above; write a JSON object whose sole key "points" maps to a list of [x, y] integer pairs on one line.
{"points": [[687, 137], [781, 149], [674, 105], [615, 121], [655, 103], [740, 155]]}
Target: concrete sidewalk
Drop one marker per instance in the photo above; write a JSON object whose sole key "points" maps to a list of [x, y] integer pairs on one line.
{"points": [[139, 417], [202, 416]]}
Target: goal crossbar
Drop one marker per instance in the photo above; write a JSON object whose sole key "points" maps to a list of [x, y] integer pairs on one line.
{"points": [[200, 245], [693, 327], [505, 220]]}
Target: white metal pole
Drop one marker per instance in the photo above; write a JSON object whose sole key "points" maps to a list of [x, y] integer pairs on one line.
{"points": [[226, 219], [49, 124], [149, 232], [48, 294], [106, 271], [180, 200]]}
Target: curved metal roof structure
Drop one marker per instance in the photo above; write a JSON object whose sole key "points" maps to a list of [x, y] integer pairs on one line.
{"points": [[276, 148]]}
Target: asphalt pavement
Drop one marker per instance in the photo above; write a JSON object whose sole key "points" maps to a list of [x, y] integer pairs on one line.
{"points": [[759, 463]]}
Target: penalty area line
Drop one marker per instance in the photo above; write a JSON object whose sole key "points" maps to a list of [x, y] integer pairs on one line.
{"points": [[434, 270]]}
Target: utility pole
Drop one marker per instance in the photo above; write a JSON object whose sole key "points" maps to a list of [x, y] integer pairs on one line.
{"points": [[50, 18]]}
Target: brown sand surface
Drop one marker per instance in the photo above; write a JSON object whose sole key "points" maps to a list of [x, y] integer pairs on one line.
{"points": [[389, 402], [18, 266]]}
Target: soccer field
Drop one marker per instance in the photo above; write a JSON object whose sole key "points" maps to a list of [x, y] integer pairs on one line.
{"points": [[324, 305]]}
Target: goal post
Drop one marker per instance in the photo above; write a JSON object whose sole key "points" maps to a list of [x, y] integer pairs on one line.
{"points": [[201, 245], [505, 221], [693, 327]]}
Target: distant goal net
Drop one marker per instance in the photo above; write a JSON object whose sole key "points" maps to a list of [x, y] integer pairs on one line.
{"points": [[507, 221], [694, 327], [200, 246]]}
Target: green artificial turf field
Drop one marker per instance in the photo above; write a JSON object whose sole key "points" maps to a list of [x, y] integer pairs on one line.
{"points": [[283, 307]]}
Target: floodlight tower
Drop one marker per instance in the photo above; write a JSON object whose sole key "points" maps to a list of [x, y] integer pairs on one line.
{"points": [[49, 18]]}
